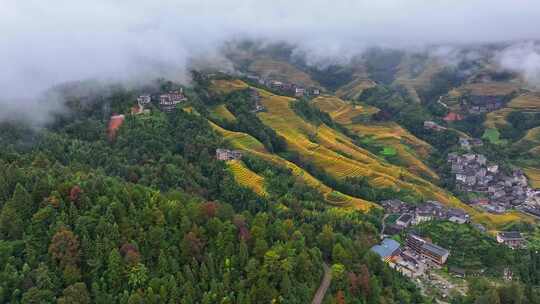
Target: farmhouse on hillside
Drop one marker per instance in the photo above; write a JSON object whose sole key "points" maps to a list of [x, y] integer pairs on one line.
{"points": [[512, 239], [451, 117], [226, 155], [169, 101]]}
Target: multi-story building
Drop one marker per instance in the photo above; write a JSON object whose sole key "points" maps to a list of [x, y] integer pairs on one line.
{"points": [[143, 100], [169, 101], [299, 92], [432, 253]]}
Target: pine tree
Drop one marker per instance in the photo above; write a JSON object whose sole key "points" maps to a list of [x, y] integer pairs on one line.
{"points": [[114, 271], [11, 223], [22, 201]]}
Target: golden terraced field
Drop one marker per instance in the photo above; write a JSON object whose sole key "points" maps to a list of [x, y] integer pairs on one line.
{"points": [[249, 144], [220, 112], [328, 151], [490, 88], [409, 148], [497, 118], [531, 138], [283, 71], [341, 112], [337, 155], [534, 176], [354, 89], [530, 102], [524, 102], [227, 86], [247, 178]]}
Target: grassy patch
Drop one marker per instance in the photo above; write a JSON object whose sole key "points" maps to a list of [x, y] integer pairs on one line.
{"points": [[494, 137], [388, 152]]}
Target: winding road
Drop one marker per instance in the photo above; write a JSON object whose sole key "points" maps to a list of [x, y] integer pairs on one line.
{"points": [[325, 283], [383, 225]]}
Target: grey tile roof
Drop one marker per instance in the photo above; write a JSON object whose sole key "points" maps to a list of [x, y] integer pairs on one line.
{"points": [[386, 248], [435, 249]]}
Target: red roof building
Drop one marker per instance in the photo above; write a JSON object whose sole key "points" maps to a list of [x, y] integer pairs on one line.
{"points": [[452, 117], [114, 124]]}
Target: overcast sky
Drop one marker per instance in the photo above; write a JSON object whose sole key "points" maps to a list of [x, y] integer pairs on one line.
{"points": [[46, 42]]}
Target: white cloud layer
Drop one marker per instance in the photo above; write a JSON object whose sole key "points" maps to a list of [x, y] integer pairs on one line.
{"points": [[522, 58], [43, 43]]}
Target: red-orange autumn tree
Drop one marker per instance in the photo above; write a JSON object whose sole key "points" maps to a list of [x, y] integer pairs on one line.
{"points": [[64, 248]]}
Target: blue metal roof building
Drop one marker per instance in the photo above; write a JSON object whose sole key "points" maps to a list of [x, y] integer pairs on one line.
{"points": [[386, 249]]}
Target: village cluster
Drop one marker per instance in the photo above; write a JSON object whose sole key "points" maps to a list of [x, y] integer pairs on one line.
{"points": [[474, 104], [477, 104], [418, 255], [410, 215], [167, 103], [288, 87], [497, 191]]}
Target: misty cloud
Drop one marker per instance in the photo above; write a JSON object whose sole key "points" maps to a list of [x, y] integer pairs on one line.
{"points": [[522, 58], [44, 43]]}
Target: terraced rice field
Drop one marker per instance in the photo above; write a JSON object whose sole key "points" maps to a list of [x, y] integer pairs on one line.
{"points": [[388, 134], [247, 178], [221, 112], [340, 111], [497, 118], [359, 162], [534, 176], [490, 88], [531, 140], [283, 71], [355, 88], [227, 86], [241, 141], [413, 83], [529, 102], [251, 145], [524, 102]]}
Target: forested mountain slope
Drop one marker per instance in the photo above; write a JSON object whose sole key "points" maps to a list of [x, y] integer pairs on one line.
{"points": [[153, 217]]}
